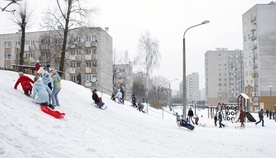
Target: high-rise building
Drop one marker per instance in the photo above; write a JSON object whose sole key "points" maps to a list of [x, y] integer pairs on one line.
{"points": [[259, 49], [192, 86], [223, 76]]}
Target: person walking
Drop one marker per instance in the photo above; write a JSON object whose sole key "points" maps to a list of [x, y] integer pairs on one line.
{"points": [[242, 117], [220, 120], [261, 117], [97, 99], [190, 115], [25, 82], [56, 88], [216, 119]]}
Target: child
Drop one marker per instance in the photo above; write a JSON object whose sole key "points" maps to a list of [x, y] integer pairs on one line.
{"points": [[196, 119]]}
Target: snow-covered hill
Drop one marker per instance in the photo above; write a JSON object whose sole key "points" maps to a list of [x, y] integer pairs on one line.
{"points": [[117, 132]]}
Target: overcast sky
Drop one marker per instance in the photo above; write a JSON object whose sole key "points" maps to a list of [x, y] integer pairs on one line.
{"points": [[166, 21]]}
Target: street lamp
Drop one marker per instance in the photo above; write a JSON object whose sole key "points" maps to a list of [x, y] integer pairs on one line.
{"points": [[184, 68], [171, 93], [270, 87]]}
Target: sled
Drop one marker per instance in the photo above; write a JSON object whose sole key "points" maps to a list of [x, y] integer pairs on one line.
{"points": [[186, 125], [55, 114], [103, 107], [250, 117]]}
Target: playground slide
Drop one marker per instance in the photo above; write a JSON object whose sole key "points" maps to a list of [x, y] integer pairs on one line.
{"points": [[250, 117]]}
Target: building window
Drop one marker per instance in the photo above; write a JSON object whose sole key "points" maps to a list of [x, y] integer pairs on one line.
{"points": [[7, 56], [7, 44]]}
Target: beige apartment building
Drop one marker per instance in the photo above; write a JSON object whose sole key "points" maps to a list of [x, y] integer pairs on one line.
{"points": [[88, 60], [223, 76], [259, 49]]}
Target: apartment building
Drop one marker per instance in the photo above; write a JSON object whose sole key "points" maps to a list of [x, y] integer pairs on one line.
{"points": [[223, 76], [88, 58], [259, 48], [123, 77], [192, 88]]}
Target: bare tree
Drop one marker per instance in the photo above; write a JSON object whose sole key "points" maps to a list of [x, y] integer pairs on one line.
{"points": [[149, 55], [21, 17], [68, 15]]}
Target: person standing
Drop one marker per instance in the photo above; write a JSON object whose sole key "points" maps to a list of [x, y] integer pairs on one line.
{"points": [[56, 87], [96, 99], [190, 115], [123, 95], [242, 117], [37, 65], [25, 82], [220, 120], [261, 117], [133, 99]]}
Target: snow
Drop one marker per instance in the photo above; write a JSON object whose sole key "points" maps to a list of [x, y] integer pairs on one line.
{"points": [[120, 131]]}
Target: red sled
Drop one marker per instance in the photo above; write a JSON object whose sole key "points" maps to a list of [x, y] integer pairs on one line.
{"points": [[55, 114], [100, 99]]}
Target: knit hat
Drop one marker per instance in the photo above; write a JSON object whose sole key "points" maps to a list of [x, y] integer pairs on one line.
{"points": [[20, 74], [94, 90]]}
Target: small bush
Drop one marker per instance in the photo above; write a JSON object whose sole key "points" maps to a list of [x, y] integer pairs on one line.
{"points": [[156, 104]]}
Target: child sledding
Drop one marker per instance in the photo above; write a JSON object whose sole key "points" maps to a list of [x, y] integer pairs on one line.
{"points": [[182, 122]]}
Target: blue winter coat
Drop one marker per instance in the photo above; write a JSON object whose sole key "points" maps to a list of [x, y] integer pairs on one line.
{"points": [[118, 95], [47, 78], [41, 91]]}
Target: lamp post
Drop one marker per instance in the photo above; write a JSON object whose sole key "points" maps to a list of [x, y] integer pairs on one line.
{"points": [[171, 94], [270, 99], [184, 67]]}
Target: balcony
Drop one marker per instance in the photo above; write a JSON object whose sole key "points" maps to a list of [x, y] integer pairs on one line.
{"points": [[254, 46], [90, 44], [253, 37]]}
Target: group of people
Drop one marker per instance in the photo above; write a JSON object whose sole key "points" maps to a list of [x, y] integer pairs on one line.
{"points": [[241, 118], [119, 96], [46, 85]]}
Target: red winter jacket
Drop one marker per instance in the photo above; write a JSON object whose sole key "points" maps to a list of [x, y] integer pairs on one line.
{"points": [[25, 83], [37, 66]]}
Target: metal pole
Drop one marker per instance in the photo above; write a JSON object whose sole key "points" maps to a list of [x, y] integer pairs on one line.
{"points": [[184, 68], [270, 87]]}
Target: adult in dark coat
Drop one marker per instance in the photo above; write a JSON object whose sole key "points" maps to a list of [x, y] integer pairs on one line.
{"points": [[242, 117], [261, 116], [190, 115], [96, 99], [220, 120]]}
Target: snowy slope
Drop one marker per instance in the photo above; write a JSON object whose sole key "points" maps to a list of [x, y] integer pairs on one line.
{"points": [[117, 132]]}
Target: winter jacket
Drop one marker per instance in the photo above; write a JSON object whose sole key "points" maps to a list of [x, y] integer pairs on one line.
{"points": [[190, 113], [118, 95], [261, 114], [220, 117], [95, 97], [56, 81], [25, 83], [46, 78], [42, 92], [37, 67], [242, 116]]}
